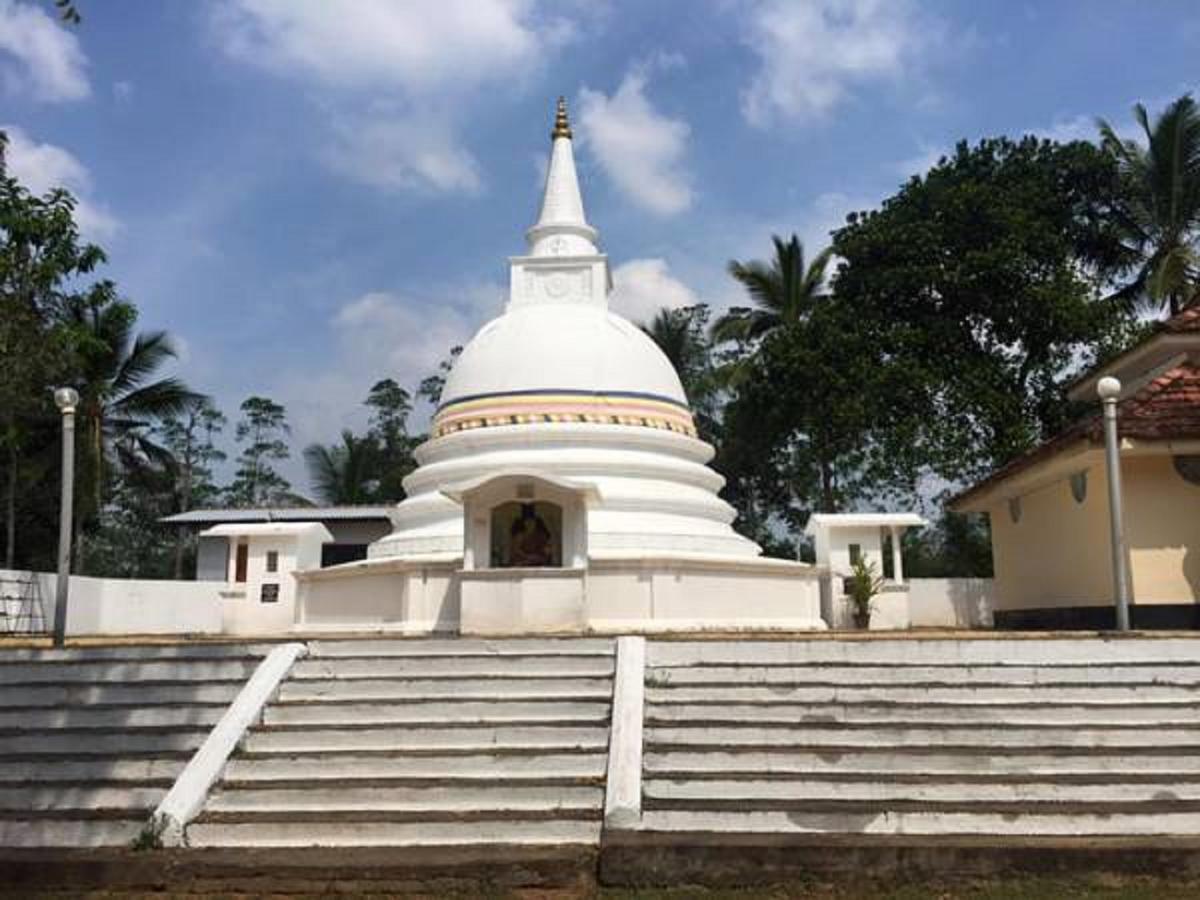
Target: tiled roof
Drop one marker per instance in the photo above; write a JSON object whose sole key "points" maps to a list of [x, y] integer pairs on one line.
{"points": [[1186, 321], [1167, 408]]}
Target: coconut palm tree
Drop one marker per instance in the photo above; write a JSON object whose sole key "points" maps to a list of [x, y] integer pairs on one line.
{"points": [[344, 473], [119, 395], [784, 291], [681, 334], [1163, 210]]}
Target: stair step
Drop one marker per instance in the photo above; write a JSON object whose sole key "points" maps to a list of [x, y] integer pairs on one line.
{"points": [[82, 694], [500, 831], [136, 652], [919, 761], [82, 797], [455, 667], [461, 647], [911, 676], [133, 671], [100, 742], [344, 797], [481, 766], [69, 832], [871, 714], [400, 740], [1116, 824], [779, 792], [111, 718], [1096, 695], [417, 689], [90, 771], [904, 738], [464, 713], [1068, 651]]}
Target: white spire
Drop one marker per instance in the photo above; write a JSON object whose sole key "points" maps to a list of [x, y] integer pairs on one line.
{"points": [[562, 228]]}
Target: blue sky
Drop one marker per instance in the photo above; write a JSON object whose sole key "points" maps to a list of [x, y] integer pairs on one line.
{"points": [[311, 195]]}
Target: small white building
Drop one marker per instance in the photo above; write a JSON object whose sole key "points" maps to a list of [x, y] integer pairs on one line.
{"points": [[840, 540], [259, 596]]}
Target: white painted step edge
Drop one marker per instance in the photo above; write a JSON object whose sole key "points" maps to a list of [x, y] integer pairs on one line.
{"points": [[190, 790], [623, 786]]}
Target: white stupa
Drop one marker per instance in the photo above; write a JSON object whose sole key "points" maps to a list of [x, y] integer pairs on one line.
{"points": [[563, 486]]}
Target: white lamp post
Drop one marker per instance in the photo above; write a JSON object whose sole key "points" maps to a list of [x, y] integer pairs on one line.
{"points": [[66, 399], [1109, 390]]}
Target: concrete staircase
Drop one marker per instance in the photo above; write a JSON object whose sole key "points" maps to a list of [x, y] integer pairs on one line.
{"points": [[422, 743], [1035, 737], [92, 738]]}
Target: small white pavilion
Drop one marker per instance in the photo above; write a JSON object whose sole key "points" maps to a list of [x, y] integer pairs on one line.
{"points": [[563, 488]]}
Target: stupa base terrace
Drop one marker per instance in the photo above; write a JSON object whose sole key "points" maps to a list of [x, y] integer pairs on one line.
{"points": [[635, 760]]}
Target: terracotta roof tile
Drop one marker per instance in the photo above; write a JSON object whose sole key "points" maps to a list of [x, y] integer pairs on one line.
{"points": [[1186, 321], [1168, 408]]}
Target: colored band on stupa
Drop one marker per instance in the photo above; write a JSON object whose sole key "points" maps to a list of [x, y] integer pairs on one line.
{"points": [[538, 407]]}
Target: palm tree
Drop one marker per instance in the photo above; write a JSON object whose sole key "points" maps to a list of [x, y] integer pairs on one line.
{"points": [[344, 473], [784, 291], [681, 335], [119, 397], [1163, 210]]}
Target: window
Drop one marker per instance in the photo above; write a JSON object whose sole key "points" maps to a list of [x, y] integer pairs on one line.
{"points": [[855, 553], [239, 565], [270, 593], [526, 535], [272, 560]]}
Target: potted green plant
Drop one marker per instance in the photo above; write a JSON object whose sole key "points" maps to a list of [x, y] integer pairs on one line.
{"points": [[862, 586]]}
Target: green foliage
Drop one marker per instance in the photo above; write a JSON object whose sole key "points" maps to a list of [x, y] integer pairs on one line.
{"points": [[785, 291], [863, 585], [261, 429], [344, 473], [1160, 213], [431, 387], [958, 546], [978, 286], [682, 335], [390, 407]]}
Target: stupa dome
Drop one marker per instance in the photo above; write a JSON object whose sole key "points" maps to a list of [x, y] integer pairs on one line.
{"points": [[560, 394], [553, 350]]}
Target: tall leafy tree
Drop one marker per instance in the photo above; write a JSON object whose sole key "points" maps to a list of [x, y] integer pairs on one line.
{"points": [[784, 290], [262, 431], [979, 288], [120, 396], [42, 260], [430, 388], [1162, 206], [190, 438], [682, 335], [390, 406], [345, 473]]}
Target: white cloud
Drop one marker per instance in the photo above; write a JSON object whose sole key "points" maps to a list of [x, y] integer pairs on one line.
{"points": [[639, 149], [393, 152], [380, 334], [430, 60], [813, 54], [641, 287], [38, 56], [41, 167]]}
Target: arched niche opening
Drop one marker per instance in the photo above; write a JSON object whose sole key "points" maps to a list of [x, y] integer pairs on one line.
{"points": [[524, 520], [526, 535]]}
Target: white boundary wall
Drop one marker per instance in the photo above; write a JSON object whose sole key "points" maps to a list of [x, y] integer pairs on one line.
{"points": [[131, 606], [951, 602]]}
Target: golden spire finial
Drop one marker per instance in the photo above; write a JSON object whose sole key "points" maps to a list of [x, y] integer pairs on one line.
{"points": [[562, 126]]}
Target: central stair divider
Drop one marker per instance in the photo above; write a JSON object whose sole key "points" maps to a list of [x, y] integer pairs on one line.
{"points": [[190, 790], [623, 788]]}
